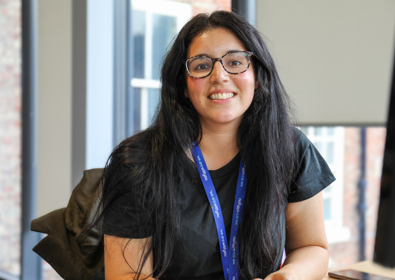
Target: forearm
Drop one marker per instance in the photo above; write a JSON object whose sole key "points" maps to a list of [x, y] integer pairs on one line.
{"points": [[310, 262], [307, 245], [123, 258]]}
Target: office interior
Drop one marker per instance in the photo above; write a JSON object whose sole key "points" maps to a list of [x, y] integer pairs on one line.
{"points": [[77, 77]]}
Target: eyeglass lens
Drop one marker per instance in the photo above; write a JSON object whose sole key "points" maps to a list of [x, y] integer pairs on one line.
{"points": [[234, 63]]}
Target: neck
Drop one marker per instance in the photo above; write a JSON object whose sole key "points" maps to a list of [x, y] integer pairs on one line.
{"points": [[218, 145]]}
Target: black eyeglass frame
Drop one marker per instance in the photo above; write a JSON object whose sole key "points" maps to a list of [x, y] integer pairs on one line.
{"points": [[249, 54]]}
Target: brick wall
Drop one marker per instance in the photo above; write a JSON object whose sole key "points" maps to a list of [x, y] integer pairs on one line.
{"points": [[346, 253], [10, 134], [375, 152]]}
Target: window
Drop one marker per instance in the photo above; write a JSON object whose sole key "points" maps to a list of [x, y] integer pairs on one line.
{"points": [[330, 143], [154, 25]]}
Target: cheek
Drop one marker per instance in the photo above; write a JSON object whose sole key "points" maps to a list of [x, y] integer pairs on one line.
{"points": [[195, 86], [246, 82]]}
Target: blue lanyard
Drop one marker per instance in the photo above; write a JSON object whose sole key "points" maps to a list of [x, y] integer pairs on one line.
{"points": [[229, 254]]}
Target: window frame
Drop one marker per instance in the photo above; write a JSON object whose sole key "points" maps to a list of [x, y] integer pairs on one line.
{"points": [[182, 12], [30, 261]]}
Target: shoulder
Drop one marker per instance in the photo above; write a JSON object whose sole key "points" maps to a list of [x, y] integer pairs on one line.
{"points": [[302, 143], [304, 148], [139, 141], [131, 150], [311, 172], [127, 164]]}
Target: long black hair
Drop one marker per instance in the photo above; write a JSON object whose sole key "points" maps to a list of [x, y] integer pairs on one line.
{"points": [[155, 160]]}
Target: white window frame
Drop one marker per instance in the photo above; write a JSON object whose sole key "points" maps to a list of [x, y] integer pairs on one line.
{"points": [[182, 12], [335, 230]]}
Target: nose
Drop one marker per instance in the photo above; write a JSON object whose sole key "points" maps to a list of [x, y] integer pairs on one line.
{"points": [[218, 75]]}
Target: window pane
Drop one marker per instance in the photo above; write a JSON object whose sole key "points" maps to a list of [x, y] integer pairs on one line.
{"points": [[144, 102], [327, 191], [153, 101], [138, 26], [164, 29], [318, 130], [327, 209], [135, 119], [330, 152], [319, 147], [330, 131]]}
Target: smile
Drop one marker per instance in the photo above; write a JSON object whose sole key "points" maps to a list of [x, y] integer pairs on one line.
{"points": [[220, 96]]}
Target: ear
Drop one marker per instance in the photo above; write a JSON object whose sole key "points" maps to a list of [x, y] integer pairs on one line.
{"points": [[256, 84], [186, 94]]}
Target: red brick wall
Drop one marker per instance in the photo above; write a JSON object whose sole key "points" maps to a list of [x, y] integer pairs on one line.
{"points": [[345, 253], [375, 153], [10, 134]]}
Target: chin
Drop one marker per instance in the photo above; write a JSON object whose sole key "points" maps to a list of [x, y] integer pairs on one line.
{"points": [[228, 120]]}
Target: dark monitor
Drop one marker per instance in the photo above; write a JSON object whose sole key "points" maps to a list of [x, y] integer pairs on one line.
{"points": [[384, 251]]}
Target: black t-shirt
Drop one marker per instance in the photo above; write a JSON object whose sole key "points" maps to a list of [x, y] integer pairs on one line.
{"points": [[197, 254]]}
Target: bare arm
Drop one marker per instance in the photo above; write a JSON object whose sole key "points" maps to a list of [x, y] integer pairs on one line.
{"points": [[306, 245], [122, 258]]}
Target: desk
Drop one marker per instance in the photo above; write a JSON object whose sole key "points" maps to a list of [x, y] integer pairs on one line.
{"points": [[370, 267]]}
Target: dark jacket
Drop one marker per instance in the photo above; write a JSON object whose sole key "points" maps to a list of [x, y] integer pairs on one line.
{"points": [[71, 254]]}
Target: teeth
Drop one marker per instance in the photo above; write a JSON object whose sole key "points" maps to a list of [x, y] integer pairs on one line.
{"points": [[217, 96]]}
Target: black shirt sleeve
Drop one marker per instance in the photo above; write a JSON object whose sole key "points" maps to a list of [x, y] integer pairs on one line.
{"points": [[127, 217], [126, 209], [312, 173]]}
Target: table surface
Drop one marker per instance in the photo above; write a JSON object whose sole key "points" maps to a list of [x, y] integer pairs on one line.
{"points": [[369, 267]]}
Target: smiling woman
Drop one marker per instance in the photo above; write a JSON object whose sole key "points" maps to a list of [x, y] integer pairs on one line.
{"points": [[221, 183], [223, 97]]}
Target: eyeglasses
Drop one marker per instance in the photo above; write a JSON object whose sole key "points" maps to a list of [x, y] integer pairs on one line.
{"points": [[235, 62]]}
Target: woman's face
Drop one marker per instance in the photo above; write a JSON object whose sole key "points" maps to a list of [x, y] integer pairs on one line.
{"points": [[220, 98]]}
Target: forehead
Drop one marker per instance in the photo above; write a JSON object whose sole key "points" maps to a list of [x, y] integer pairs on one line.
{"points": [[215, 43]]}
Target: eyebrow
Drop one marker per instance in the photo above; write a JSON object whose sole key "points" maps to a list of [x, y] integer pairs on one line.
{"points": [[228, 51], [234, 50]]}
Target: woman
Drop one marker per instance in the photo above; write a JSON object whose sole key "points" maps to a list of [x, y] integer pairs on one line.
{"points": [[223, 105]]}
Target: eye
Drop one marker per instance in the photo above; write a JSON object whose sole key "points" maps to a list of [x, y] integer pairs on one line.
{"points": [[200, 64], [234, 63], [201, 67]]}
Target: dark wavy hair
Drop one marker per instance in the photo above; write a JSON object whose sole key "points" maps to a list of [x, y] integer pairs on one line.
{"points": [[154, 161]]}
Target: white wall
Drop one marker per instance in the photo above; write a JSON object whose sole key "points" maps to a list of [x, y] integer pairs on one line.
{"points": [[334, 57], [54, 105], [75, 95]]}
